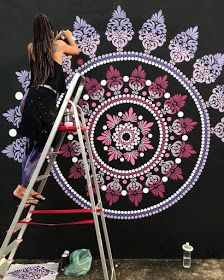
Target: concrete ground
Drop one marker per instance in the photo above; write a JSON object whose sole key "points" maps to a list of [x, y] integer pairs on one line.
{"points": [[152, 269]]}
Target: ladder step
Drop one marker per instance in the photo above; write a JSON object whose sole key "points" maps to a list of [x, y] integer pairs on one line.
{"points": [[42, 177], [84, 222], [54, 153], [11, 246], [70, 128], [19, 226], [64, 211]]}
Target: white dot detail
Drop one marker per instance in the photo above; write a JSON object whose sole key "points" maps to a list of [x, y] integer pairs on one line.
{"points": [[148, 83], [167, 95], [105, 148], [104, 188], [125, 78], [104, 127], [184, 137], [141, 154], [178, 160], [70, 137], [164, 179], [103, 82], [124, 193], [180, 114], [19, 95], [122, 159], [12, 132], [120, 114], [150, 135], [140, 117], [145, 190], [74, 159], [86, 97]]}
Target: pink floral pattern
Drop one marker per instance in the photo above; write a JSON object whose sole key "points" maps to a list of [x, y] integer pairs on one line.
{"points": [[70, 149], [158, 87], [77, 170], [134, 190], [94, 89], [183, 126], [126, 137], [173, 104], [137, 79], [113, 192], [114, 80]]}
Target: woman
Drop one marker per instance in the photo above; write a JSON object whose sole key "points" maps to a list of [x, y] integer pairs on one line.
{"points": [[39, 106]]}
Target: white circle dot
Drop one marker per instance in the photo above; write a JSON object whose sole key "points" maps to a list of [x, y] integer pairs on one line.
{"points": [[180, 114], [19, 95], [145, 190], [103, 82], [70, 136], [150, 135], [104, 127], [178, 160], [74, 159], [120, 114], [125, 78], [12, 132], [148, 83], [140, 117], [105, 148], [124, 192], [103, 187], [86, 97], [184, 137], [167, 95], [141, 154], [165, 179], [121, 159]]}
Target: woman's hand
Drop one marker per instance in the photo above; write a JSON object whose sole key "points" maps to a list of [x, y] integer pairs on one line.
{"points": [[68, 34]]}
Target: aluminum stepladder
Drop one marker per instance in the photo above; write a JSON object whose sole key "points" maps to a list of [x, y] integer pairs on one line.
{"points": [[8, 249]]}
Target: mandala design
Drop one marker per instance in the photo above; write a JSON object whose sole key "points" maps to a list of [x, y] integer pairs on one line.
{"points": [[148, 124]]}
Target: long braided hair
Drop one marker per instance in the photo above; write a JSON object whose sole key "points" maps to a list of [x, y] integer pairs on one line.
{"points": [[43, 65]]}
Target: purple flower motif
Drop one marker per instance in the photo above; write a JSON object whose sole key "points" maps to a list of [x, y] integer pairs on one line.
{"points": [[216, 100], [113, 192], [13, 116], [134, 190], [32, 273], [114, 80], [16, 150], [153, 32], [67, 64], [24, 78], [184, 45], [158, 87], [173, 104], [119, 29], [70, 149], [86, 36], [218, 130], [137, 79], [208, 68], [77, 170], [94, 89]]}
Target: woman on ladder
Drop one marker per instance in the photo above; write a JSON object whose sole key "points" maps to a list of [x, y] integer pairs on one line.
{"points": [[39, 104]]}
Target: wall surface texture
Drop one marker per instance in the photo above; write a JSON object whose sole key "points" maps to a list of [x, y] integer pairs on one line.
{"points": [[153, 102]]}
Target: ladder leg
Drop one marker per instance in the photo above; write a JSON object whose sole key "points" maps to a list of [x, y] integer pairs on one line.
{"points": [[109, 252]]}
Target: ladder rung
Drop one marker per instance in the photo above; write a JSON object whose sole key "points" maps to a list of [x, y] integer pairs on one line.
{"points": [[11, 246], [42, 177], [19, 226], [64, 211], [70, 128], [84, 222], [54, 153]]}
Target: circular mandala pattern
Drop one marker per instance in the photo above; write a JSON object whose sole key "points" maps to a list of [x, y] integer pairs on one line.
{"points": [[140, 136]]}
